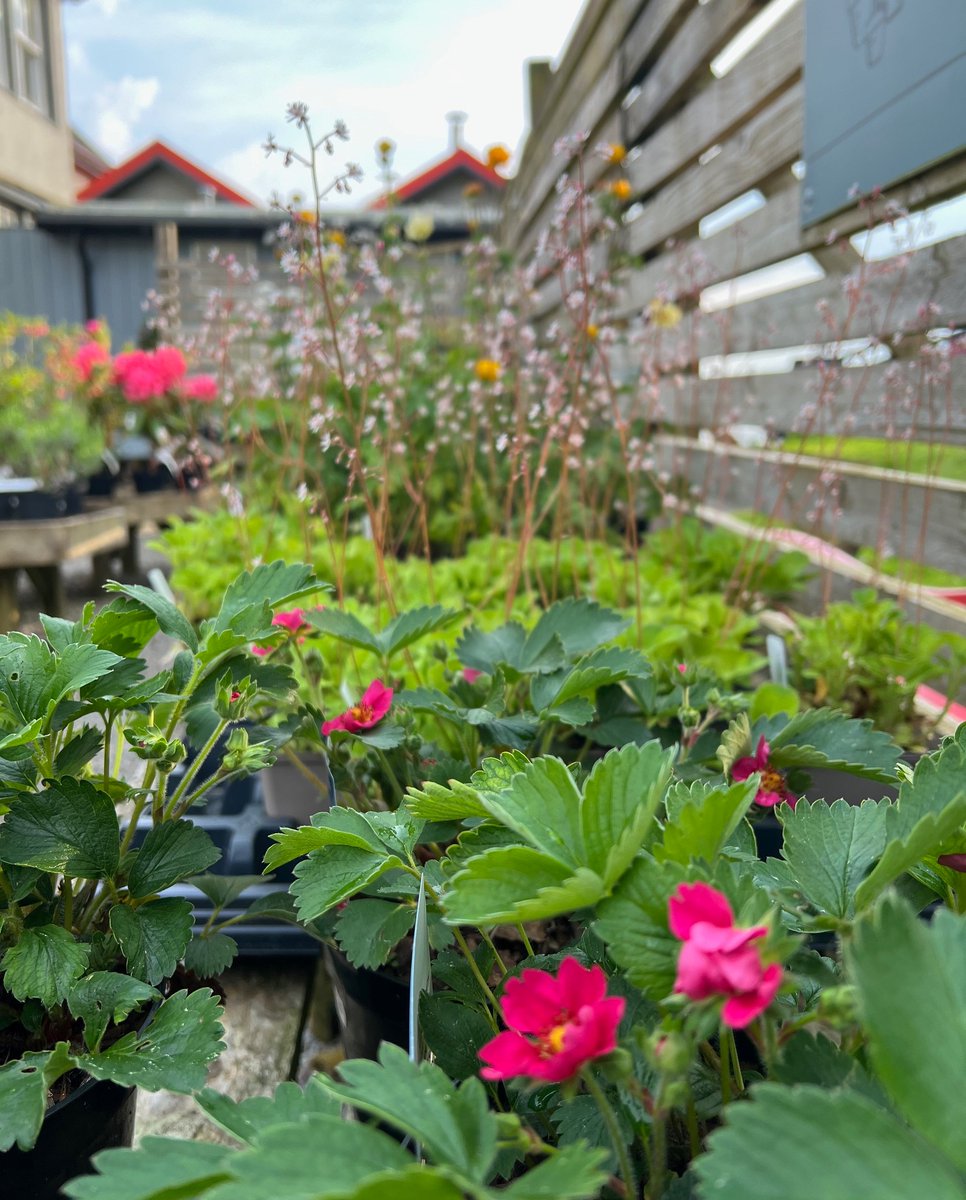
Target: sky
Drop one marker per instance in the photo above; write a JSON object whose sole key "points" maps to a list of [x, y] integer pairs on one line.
{"points": [[213, 77]]}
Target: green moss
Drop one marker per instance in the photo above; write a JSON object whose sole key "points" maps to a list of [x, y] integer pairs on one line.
{"points": [[921, 458]]}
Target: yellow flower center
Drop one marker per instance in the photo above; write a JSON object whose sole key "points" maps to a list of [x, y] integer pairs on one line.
{"points": [[361, 712], [772, 781], [554, 1040]]}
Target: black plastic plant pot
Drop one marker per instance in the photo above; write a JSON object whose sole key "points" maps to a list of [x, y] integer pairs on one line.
{"points": [[39, 506], [103, 483], [99, 1115], [372, 1006], [154, 477]]}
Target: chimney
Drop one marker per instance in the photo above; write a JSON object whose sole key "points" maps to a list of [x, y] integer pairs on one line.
{"points": [[456, 122]]}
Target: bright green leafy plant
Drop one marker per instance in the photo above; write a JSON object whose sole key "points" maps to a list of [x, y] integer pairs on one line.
{"points": [[88, 936]]}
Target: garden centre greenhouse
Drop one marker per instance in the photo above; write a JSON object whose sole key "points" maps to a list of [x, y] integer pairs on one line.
{"points": [[482, 600]]}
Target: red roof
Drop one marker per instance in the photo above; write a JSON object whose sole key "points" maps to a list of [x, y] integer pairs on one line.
{"points": [[458, 160], [151, 155]]}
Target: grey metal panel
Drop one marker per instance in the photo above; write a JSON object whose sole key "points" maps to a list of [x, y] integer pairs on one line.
{"points": [[123, 274], [884, 88], [41, 275]]}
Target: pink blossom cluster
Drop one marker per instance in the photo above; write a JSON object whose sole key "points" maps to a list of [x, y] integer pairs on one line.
{"points": [[143, 375]]}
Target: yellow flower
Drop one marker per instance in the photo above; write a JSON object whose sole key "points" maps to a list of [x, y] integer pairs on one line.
{"points": [[487, 371], [620, 189], [665, 314], [496, 156], [385, 148], [306, 217], [335, 237], [592, 332], [419, 227], [617, 153]]}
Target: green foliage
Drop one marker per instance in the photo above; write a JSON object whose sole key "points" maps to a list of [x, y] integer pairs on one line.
{"points": [[44, 963], [71, 827], [169, 853], [152, 937], [103, 997], [368, 930]]}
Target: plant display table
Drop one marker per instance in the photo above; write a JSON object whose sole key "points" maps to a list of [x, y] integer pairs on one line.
{"points": [[143, 509], [41, 547]]}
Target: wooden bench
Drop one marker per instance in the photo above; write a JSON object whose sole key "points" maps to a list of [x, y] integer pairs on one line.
{"points": [[141, 510], [41, 547]]}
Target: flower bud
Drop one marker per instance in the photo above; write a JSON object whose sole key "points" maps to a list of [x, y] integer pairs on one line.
{"points": [[240, 756], [233, 700], [669, 1052], [688, 716], [617, 1066], [675, 1094], [839, 1005]]}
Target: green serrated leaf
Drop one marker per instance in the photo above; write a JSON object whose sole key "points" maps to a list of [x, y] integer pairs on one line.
{"points": [[823, 737], [44, 962], [830, 848], [620, 802], [369, 930], [103, 997], [486, 651], [76, 753], [172, 1053], [454, 1032], [606, 666], [581, 625], [905, 969], [518, 884], [575, 1172], [344, 627], [454, 1126], [384, 736], [221, 890], [633, 923], [245, 1119], [33, 680], [71, 827], [169, 853], [409, 627], [930, 808], [159, 1169], [337, 827], [211, 955], [277, 584], [706, 825], [434, 802], [767, 1149], [23, 1093], [336, 873], [153, 936], [170, 619], [542, 804]]}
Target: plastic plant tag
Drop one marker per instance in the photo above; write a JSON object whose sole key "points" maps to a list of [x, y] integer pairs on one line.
{"points": [[420, 979], [777, 659]]}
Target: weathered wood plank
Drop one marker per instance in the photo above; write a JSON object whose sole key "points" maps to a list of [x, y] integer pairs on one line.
{"points": [[659, 20], [916, 516], [43, 543], [890, 399], [772, 234], [264, 1002], [706, 30], [770, 140], [721, 106], [593, 80]]}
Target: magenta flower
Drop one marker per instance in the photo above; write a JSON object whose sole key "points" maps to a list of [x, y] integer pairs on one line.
{"points": [[292, 620], [718, 958], [471, 674], [773, 789], [87, 357], [203, 388], [955, 862], [170, 365], [375, 703], [262, 651], [557, 1024], [137, 375]]}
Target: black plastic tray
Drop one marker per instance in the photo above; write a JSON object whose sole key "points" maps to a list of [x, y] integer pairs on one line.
{"points": [[236, 821]]}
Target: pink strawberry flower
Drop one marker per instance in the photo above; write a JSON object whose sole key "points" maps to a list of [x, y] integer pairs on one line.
{"points": [[137, 375], [471, 674], [170, 365], [292, 620], [773, 789], [557, 1024], [262, 651], [375, 703], [718, 958]]}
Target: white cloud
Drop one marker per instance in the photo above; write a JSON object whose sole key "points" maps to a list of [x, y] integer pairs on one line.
{"points": [[118, 108], [107, 7]]}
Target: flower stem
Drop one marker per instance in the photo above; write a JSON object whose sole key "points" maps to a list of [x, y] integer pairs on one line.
{"points": [[725, 1071], [739, 1080], [474, 967], [694, 1134], [614, 1131]]}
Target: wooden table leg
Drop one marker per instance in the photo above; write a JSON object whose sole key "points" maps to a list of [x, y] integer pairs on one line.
{"points": [[130, 553], [102, 568], [9, 612], [49, 584]]}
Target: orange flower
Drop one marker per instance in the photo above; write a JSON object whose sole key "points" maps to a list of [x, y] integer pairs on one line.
{"points": [[592, 332], [617, 153], [335, 237], [496, 156], [620, 189], [487, 371]]}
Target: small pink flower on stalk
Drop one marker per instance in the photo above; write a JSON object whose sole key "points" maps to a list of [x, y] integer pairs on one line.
{"points": [[557, 1024], [718, 958], [375, 703], [772, 790], [262, 651], [471, 674]]}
